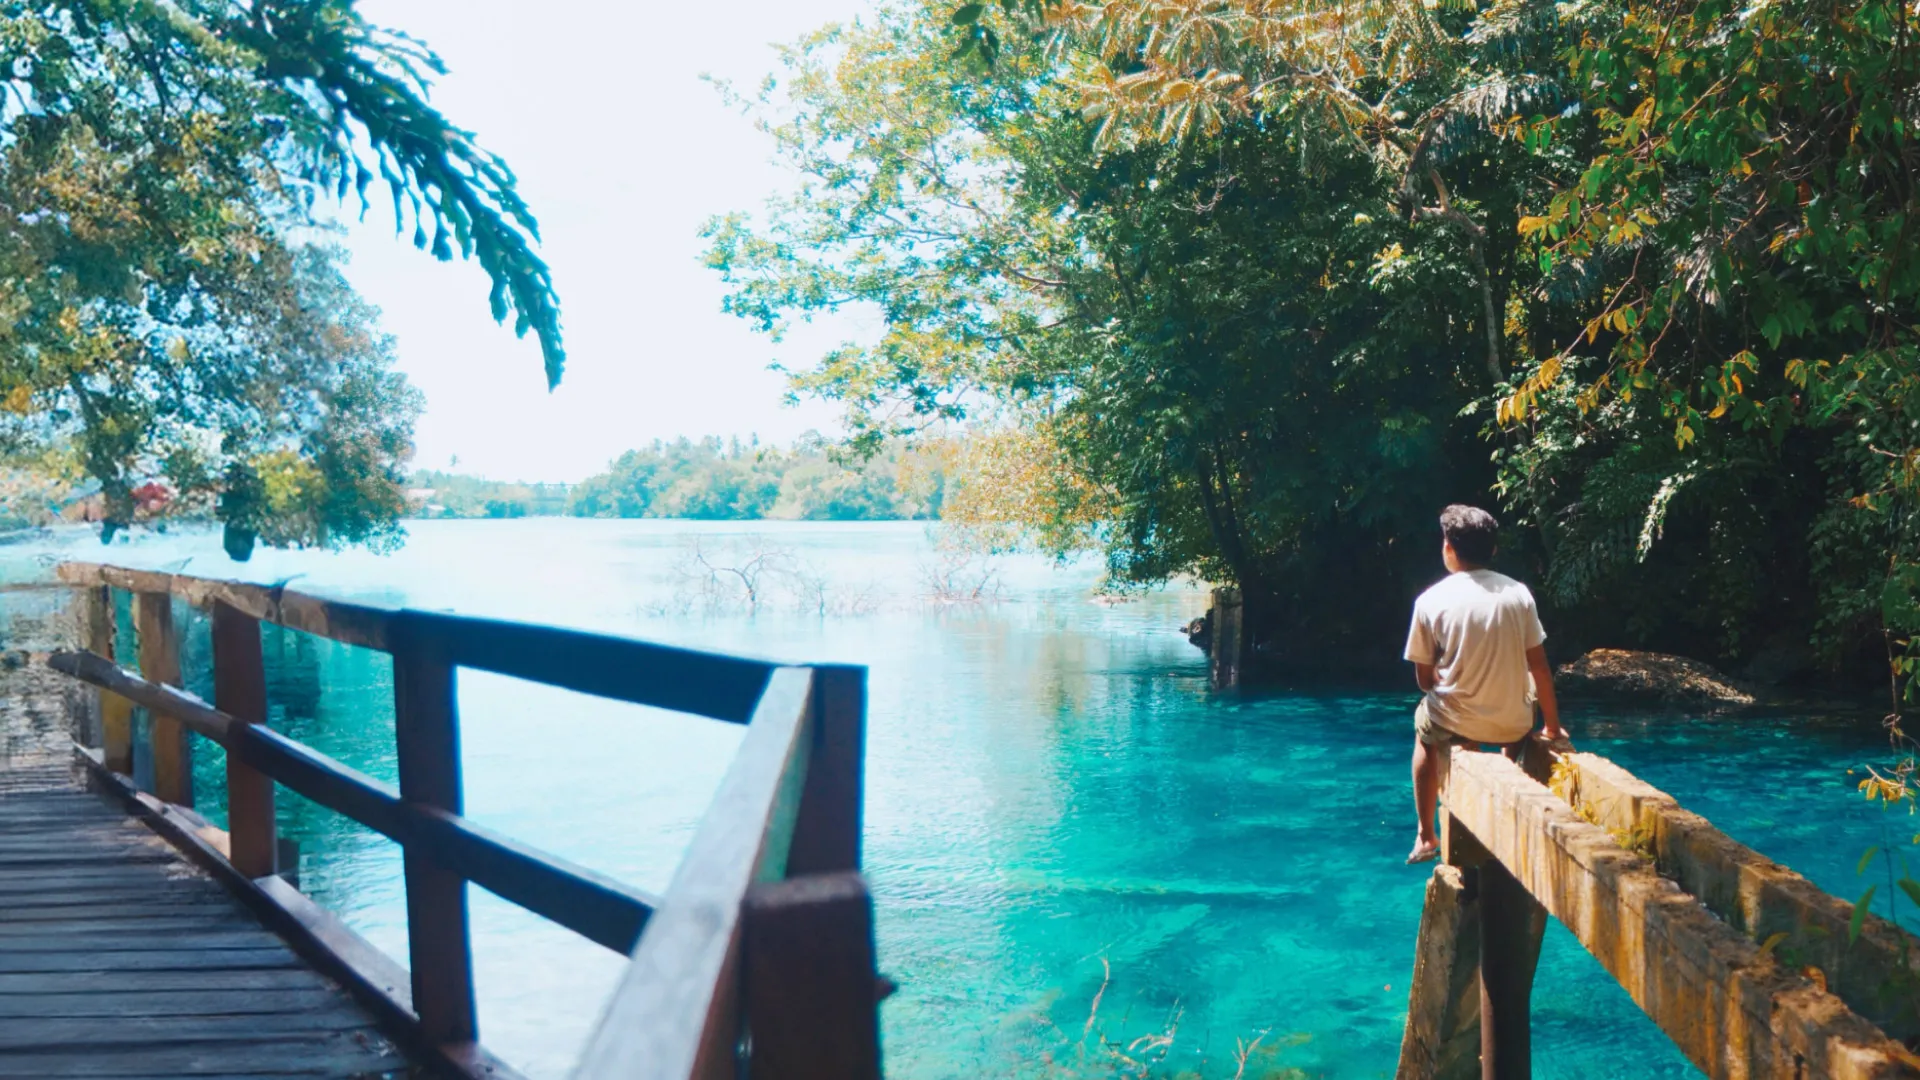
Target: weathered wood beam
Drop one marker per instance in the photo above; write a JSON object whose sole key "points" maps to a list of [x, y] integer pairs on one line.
{"points": [[1442, 1039], [713, 685], [1731, 1009], [116, 713], [590, 904], [676, 1013], [338, 620], [160, 663], [240, 691], [807, 967], [1754, 894]]}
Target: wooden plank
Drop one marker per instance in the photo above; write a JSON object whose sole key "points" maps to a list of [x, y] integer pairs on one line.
{"points": [[168, 1003], [353, 624], [1442, 1036], [375, 979], [605, 911], [160, 663], [592, 904], [1751, 892], [293, 1032], [427, 737], [123, 922], [808, 978], [1729, 1008], [116, 713], [674, 1014], [1509, 948], [41, 879], [683, 680], [93, 610], [16, 962], [341, 1056], [240, 691], [146, 939], [40, 909], [100, 983], [827, 835], [318, 936]]}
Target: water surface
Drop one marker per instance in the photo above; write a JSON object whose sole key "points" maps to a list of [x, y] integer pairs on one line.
{"points": [[1075, 845]]}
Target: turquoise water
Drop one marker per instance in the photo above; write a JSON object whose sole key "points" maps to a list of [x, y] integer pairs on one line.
{"points": [[1059, 810]]}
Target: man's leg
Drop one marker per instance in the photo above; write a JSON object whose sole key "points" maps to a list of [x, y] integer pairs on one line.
{"points": [[1426, 790]]}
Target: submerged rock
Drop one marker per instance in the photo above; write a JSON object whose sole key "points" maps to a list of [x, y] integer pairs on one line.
{"points": [[1650, 679]]}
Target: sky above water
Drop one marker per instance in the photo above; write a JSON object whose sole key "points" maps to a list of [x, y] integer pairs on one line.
{"points": [[623, 153]]}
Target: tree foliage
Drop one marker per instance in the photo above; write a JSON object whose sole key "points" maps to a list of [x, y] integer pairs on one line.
{"points": [[167, 310], [715, 480], [1252, 287]]}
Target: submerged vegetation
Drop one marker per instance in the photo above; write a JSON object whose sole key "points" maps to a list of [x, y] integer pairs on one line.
{"points": [[1250, 301]]}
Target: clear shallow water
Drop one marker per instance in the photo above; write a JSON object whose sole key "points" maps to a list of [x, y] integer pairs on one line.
{"points": [[1054, 794]]}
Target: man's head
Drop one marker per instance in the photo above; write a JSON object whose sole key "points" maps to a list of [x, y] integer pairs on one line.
{"points": [[1469, 537]]}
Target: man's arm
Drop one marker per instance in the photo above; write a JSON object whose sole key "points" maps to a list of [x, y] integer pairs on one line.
{"points": [[1543, 689], [1423, 674]]}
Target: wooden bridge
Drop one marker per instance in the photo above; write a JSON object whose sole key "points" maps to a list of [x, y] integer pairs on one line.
{"points": [[136, 939], [1749, 968]]}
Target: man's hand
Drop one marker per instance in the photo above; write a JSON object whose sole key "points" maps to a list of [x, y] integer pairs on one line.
{"points": [[1424, 676], [1543, 691]]}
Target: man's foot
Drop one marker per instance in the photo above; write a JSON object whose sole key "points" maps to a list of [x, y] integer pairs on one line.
{"points": [[1424, 851]]}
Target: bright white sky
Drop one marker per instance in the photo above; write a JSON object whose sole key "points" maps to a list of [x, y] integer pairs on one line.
{"points": [[623, 152]]}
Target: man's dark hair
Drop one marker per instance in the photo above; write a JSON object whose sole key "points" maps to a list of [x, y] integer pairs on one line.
{"points": [[1472, 532]]}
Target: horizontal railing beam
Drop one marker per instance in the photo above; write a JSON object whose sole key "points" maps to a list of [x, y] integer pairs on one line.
{"points": [[593, 905], [337, 620], [1728, 1006], [713, 685], [1754, 894], [676, 1014]]}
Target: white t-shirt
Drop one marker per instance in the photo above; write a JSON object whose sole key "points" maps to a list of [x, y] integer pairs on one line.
{"points": [[1475, 628]]}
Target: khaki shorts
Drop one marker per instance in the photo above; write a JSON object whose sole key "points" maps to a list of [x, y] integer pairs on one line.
{"points": [[1433, 733], [1430, 731]]}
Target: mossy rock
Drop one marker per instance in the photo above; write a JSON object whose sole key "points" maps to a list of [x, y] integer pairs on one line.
{"points": [[1648, 678]]}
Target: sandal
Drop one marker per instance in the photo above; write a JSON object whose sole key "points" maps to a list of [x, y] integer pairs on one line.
{"points": [[1423, 853]]}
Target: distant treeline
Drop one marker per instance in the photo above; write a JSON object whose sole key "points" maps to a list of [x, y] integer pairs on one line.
{"points": [[713, 479]]}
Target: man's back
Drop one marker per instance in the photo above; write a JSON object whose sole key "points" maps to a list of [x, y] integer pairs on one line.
{"points": [[1475, 628]]}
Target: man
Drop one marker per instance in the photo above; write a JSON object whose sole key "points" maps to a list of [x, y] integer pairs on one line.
{"points": [[1479, 653]]}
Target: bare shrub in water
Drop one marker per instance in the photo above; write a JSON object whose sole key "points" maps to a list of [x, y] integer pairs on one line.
{"points": [[1094, 1055], [751, 574], [741, 575], [958, 575]]}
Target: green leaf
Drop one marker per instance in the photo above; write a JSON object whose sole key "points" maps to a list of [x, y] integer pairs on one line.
{"points": [[968, 14], [1911, 888], [1859, 914], [1865, 859]]}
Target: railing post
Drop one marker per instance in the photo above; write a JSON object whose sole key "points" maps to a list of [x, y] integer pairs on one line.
{"points": [[826, 831], [808, 970], [160, 662], [427, 736], [116, 712], [240, 691], [1508, 952]]}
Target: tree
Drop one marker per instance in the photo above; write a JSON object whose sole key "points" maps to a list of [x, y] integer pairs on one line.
{"points": [[1224, 356], [160, 172]]}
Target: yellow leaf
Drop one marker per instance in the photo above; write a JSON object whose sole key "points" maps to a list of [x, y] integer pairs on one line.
{"points": [[1531, 225]]}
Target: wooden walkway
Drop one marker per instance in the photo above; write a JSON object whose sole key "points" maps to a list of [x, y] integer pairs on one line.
{"points": [[118, 958]]}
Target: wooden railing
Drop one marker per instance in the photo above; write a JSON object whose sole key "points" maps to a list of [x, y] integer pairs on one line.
{"points": [[1749, 968], [757, 961]]}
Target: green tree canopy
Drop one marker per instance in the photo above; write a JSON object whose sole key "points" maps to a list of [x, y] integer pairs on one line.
{"points": [[163, 167]]}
